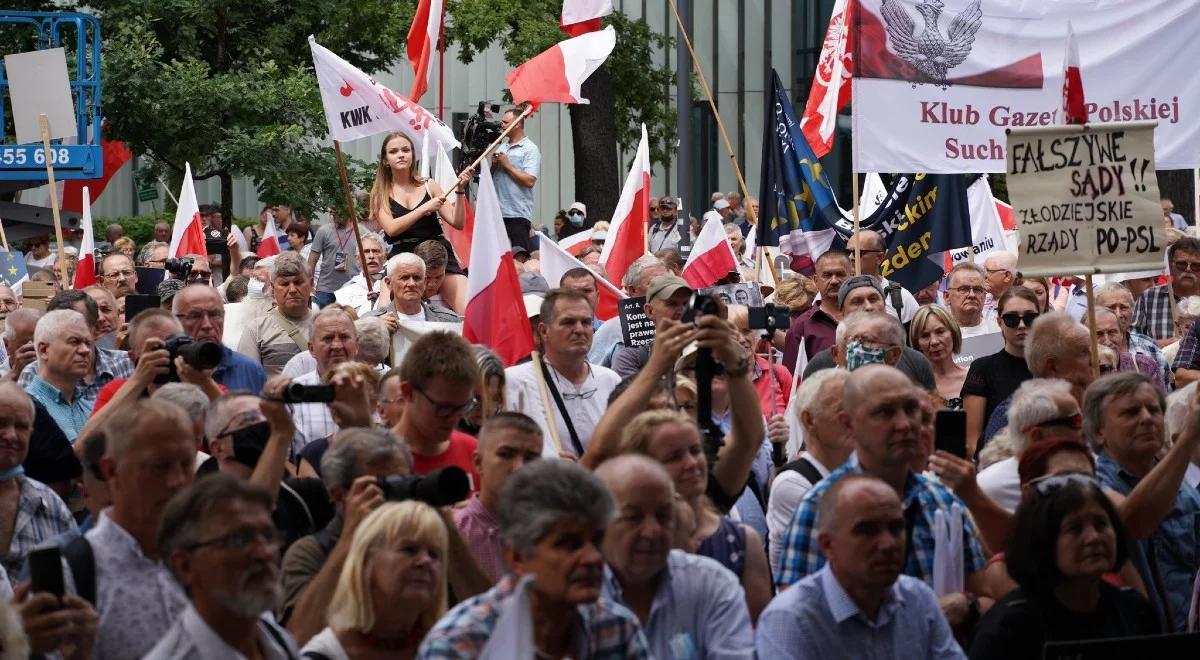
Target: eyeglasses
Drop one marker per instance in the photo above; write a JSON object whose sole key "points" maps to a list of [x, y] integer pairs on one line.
{"points": [[967, 290], [581, 395], [1189, 266], [1013, 319], [867, 342], [1052, 482], [865, 253], [199, 315], [119, 274], [198, 275], [448, 409], [241, 420], [243, 538], [1074, 422]]}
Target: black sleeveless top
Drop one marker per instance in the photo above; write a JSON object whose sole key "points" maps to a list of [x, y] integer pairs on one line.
{"points": [[425, 228]]}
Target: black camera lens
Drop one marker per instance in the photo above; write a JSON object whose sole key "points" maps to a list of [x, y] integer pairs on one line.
{"points": [[301, 393], [441, 487], [201, 354]]}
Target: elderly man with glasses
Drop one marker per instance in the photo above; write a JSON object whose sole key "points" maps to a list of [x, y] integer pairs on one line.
{"points": [[118, 275], [1152, 311], [965, 294], [201, 311]]}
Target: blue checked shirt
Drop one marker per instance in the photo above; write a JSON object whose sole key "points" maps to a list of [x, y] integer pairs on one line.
{"points": [[1140, 344], [802, 557], [1188, 355], [1152, 313], [70, 416], [604, 630], [110, 365], [41, 516]]}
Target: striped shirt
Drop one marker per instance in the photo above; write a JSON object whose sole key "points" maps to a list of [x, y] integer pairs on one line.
{"points": [[313, 421], [603, 630], [922, 498], [41, 516]]}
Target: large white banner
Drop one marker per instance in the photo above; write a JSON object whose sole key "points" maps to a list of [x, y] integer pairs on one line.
{"points": [[937, 82]]}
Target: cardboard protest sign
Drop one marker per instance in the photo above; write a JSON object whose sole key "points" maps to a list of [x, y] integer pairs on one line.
{"points": [[978, 346], [410, 331], [1086, 199], [636, 329], [38, 85]]}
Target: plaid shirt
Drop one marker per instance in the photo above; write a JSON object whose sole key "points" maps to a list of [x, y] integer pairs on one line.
{"points": [[41, 516], [1140, 344], [801, 555], [1152, 313], [313, 420], [604, 630], [1188, 354], [110, 365]]}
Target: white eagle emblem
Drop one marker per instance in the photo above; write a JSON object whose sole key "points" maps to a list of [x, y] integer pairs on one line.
{"points": [[928, 51]]}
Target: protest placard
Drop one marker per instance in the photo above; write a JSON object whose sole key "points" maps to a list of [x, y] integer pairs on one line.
{"points": [[636, 329], [410, 331], [1086, 199], [741, 293], [39, 85]]}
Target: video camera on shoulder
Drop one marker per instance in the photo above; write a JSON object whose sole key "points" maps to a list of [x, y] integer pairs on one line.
{"points": [[441, 487], [480, 131]]}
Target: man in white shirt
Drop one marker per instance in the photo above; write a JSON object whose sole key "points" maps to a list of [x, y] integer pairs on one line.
{"points": [[871, 251], [334, 341], [575, 386], [965, 293], [354, 292]]}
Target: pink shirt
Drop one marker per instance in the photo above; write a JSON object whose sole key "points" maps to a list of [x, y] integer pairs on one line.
{"points": [[481, 531]]}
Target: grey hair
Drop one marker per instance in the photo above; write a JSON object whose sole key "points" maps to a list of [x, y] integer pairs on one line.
{"points": [[809, 393], [854, 320], [187, 396], [828, 502], [490, 364], [20, 314], [405, 259], [1104, 388], [50, 326], [371, 236], [191, 507], [1112, 287], [633, 274], [1188, 306], [288, 264], [997, 449], [119, 430], [1050, 336], [147, 251], [545, 492], [333, 311], [1003, 260], [218, 416], [374, 340], [1032, 404], [965, 265], [354, 448], [1178, 403]]}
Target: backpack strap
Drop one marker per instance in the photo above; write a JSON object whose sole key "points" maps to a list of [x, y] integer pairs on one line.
{"points": [[82, 562], [805, 468]]}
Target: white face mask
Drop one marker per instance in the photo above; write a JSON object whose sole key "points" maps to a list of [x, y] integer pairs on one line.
{"points": [[255, 288]]}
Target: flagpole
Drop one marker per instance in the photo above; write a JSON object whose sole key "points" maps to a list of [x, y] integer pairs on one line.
{"points": [[737, 170], [442, 69], [1091, 313], [539, 370], [4, 237], [857, 240], [58, 233], [353, 219]]}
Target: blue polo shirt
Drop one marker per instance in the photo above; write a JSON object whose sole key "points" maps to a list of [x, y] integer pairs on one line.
{"points": [[238, 372]]}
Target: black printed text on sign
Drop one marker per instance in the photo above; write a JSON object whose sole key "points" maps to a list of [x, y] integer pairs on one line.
{"points": [[1086, 199]]}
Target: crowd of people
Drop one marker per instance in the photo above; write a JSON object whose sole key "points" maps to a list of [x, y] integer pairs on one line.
{"points": [[251, 469]]}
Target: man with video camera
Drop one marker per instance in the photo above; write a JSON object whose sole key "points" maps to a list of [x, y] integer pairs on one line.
{"points": [[334, 341], [515, 167]]}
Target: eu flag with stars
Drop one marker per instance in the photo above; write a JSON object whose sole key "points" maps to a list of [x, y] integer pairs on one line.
{"points": [[12, 270], [797, 208]]}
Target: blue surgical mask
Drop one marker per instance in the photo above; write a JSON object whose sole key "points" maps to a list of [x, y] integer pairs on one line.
{"points": [[575, 218], [858, 355]]}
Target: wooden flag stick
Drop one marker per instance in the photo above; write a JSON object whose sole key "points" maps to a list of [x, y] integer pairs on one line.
{"points": [[58, 234], [539, 371], [857, 240], [503, 134], [341, 161], [737, 170], [4, 237], [1091, 313]]}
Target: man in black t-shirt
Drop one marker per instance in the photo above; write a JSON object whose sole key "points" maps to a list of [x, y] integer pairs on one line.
{"points": [[216, 240]]}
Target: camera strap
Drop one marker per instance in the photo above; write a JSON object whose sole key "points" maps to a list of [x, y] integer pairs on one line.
{"points": [[562, 408]]}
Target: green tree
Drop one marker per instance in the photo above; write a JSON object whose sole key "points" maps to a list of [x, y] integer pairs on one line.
{"points": [[227, 86], [525, 28]]}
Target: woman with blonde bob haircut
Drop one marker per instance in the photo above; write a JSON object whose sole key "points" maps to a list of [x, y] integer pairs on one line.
{"points": [[392, 588]]}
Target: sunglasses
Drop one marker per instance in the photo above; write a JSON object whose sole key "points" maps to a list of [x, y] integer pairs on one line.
{"points": [[1013, 319], [1054, 482]]}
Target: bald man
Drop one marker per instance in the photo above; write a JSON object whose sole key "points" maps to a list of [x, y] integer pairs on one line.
{"points": [[679, 598]]}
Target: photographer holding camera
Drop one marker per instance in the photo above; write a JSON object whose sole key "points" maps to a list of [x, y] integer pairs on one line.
{"points": [[515, 166]]}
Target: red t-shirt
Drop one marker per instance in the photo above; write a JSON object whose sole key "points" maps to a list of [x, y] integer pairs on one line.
{"points": [[459, 453], [107, 392]]}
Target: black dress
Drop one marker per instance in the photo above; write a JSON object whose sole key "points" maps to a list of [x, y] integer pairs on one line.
{"points": [[1019, 625], [427, 228]]}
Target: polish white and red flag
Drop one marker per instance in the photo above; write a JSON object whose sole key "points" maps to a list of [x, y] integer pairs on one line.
{"points": [[583, 16], [576, 243], [556, 75], [423, 39], [712, 256], [830, 90], [187, 236], [85, 270], [1074, 108], [269, 245], [626, 240], [495, 315], [557, 261], [356, 106]]}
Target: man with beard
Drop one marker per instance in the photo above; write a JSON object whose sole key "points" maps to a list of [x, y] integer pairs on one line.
{"points": [[218, 539], [859, 604]]}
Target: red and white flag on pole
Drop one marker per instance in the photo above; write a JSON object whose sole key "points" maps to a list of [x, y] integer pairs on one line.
{"points": [[712, 256], [423, 39], [187, 236], [556, 261], [85, 269], [495, 315], [626, 240], [831, 83], [1074, 109], [576, 243], [557, 73], [356, 106], [583, 16], [269, 245]]}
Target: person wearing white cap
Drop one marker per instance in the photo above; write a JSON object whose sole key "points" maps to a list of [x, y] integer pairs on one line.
{"points": [[577, 214]]}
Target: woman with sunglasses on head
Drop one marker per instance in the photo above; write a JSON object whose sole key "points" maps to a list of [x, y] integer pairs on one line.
{"points": [[1065, 537], [993, 378]]}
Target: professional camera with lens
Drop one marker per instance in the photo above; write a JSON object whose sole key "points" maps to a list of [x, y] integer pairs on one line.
{"points": [[197, 354], [699, 305], [441, 487], [480, 131], [180, 268], [301, 393]]}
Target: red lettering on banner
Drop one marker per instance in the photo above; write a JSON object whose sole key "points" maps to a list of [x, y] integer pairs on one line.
{"points": [[990, 150]]}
